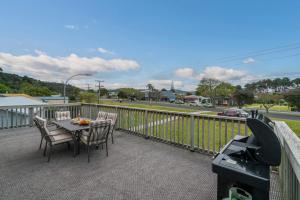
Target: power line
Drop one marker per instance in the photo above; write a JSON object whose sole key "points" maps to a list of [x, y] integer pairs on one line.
{"points": [[261, 54], [282, 47]]}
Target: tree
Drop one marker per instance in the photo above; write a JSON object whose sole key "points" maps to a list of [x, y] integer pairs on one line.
{"points": [[1, 70], [32, 90], [126, 93], [243, 97], [73, 93], [268, 100], [224, 89], [293, 98], [4, 88], [88, 97], [207, 87], [296, 82], [150, 88]]}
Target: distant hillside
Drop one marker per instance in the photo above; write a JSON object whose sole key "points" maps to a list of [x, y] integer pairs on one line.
{"points": [[17, 83]]}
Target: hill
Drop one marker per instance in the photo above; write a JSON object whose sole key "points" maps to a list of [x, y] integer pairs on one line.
{"points": [[34, 87]]}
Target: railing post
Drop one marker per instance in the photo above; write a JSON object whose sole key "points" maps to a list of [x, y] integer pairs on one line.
{"points": [[90, 107], [30, 116], [192, 133], [146, 125]]}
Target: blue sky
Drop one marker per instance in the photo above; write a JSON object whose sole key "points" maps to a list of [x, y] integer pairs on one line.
{"points": [[132, 43]]}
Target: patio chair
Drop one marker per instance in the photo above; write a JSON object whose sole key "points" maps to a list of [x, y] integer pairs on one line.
{"points": [[97, 135], [38, 121], [112, 117], [62, 115], [54, 137], [101, 115]]}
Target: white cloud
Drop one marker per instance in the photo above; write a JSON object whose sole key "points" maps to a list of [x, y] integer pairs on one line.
{"points": [[115, 85], [159, 84], [71, 27], [185, 72], [223, 74], [249, 61], [39, 52], [104, 51], [45, 67]]}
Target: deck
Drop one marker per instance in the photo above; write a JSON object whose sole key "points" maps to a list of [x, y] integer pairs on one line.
{"points": [[135, 169]]}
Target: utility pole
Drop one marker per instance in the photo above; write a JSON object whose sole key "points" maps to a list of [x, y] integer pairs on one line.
{"points": [[88, 87], [99, 90]]}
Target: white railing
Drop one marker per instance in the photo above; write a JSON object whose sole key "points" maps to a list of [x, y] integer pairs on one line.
{"points": [[206, 133], [289, 170], [19, 116]]}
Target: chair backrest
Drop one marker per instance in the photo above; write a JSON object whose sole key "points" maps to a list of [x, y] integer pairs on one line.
{"points": [[112, 117], [42, 125], [98, 132], [38, 124], [62, 115], [102, 115]]}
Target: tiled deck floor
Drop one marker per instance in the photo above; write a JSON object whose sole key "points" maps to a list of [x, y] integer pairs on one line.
{"points": [[135, 169]]}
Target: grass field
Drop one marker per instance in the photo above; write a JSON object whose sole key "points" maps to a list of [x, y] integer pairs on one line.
{"points": [[274, 108], [146, 106], [293, 124], [209, 134]]}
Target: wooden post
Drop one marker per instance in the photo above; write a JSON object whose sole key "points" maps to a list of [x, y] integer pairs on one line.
{"points": [[31, 115], [146, 125], [192, 133]]}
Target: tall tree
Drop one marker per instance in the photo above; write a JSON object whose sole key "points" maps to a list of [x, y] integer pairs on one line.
{"points": [[242, 96], [269, 100], [293, 98], [224, 90], [207, 87]]}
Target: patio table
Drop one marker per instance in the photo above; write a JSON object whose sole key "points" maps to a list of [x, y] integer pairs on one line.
{"points": [[73, 128]]}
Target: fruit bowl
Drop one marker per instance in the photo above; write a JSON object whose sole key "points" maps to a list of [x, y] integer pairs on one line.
{"points": [[84, 122]]}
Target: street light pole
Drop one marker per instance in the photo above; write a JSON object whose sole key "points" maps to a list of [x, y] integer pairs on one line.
{"points": [[99, 93], [66, 82]]}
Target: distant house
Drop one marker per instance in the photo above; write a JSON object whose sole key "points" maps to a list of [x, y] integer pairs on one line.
{"points": [[55, 99], [113, 94], [168, 96]]}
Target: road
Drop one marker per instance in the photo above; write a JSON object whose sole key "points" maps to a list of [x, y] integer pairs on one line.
{"points": [[273, 114]]}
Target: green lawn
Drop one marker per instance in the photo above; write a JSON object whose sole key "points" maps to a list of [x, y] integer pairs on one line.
{"points": [[208, 134], [146, 106], [293, 124], [274, 108], [175, 132]]}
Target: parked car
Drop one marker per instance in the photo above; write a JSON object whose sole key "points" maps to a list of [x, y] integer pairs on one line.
{"points": [[194, 103], [179, 101], [234, 112]]}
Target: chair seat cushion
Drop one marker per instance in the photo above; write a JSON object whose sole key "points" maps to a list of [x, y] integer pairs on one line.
{"points": [[61, 138], [57, 131], [84, 139]]}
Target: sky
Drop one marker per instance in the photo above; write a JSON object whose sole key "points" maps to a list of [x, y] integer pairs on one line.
{"points": [[135, 42]]}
